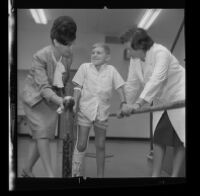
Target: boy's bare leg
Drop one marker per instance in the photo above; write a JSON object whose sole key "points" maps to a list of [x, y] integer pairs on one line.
{"points": [[100, 136], [80, 150]]}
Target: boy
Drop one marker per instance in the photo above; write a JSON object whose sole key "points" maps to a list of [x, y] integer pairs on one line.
{"points": [[93, 89]]}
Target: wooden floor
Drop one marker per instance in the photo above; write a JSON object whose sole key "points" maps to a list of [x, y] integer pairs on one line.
{"points": [[128, 159]]}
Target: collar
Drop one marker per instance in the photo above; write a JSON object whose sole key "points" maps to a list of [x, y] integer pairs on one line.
{"points": [[53, 56], [102, 67], [148, 52]]}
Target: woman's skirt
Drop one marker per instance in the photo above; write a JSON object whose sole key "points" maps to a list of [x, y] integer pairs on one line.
{"points": [[42, 119], [165, 134]]}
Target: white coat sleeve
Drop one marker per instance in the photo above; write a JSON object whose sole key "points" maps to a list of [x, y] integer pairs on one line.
{"points": [[153, 86], [117, 79], [133, 84]]}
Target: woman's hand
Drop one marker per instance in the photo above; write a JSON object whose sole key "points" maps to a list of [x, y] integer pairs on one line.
{"points": [[75, 108], [61, 106], [67, 102], [128, 109], [135, 107], [125, 110]]}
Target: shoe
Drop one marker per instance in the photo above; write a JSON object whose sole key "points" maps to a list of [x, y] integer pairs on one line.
{"points": [[26, 174], [76, 169]]}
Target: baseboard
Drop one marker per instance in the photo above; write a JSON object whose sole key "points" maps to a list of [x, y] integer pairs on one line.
{"points": [[142, 139], [26, 135], [23, 135]]}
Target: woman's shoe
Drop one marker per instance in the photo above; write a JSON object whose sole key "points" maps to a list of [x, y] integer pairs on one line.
{"points": [[26, 174]]}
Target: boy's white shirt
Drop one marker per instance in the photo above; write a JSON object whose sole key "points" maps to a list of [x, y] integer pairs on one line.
{"points": [[97, 89]]}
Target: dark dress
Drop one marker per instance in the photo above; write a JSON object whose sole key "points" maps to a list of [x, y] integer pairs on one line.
{"points": [[165, 133]]}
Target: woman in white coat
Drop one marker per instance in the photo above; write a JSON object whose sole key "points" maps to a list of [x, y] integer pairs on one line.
{"points": [[155, 76]]}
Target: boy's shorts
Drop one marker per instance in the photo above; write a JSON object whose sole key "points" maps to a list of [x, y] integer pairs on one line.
{"points": [[84, 121]]}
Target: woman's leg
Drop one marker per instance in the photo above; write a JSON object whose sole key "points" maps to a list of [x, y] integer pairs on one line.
{"points": [[158, 157], [100, 135], [179, 155], [45, 154], [79, 150], [32, 159]]}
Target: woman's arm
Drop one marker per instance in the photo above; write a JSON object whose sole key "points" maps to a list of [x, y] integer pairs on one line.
{"points": [[133, 84], [159, 75], [41, 79], [121, 93]]}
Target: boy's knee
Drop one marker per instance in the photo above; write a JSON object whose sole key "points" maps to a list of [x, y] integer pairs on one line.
{"points": [[100, 146], [81, 147]]}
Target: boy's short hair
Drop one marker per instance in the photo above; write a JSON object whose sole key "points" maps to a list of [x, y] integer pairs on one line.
{"points": [[104, 46], [63, 30]]}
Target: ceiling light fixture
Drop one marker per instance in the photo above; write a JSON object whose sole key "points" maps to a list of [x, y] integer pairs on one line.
{"points": [[39, 16], [148, 18]]}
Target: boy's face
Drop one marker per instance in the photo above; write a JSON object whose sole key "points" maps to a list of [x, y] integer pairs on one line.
{"points": [[99, 56]]}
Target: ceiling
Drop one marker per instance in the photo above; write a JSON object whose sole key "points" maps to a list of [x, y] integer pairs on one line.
{"points": [[103, 21]]}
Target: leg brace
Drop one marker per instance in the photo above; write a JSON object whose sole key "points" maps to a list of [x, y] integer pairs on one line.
{"points": [[77, 160]]}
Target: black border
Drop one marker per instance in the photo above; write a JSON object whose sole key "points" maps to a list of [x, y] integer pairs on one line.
{"points": [[80, 183]]}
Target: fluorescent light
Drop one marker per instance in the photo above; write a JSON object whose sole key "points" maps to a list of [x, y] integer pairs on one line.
{"points": [[148, 18], [39, 16], [42, 16], [153, 17], [35, 15]]}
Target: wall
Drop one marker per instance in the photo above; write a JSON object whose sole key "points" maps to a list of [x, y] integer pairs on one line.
{"points": [[164, 31], [179, 50]]}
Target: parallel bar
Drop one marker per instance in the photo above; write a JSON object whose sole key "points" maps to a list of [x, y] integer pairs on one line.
{"points": [[175, 105], [68, 143], [67, 134]]}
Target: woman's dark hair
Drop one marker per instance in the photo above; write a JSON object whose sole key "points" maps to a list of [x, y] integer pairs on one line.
{"points": [[139, 39], [64, 30]]}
